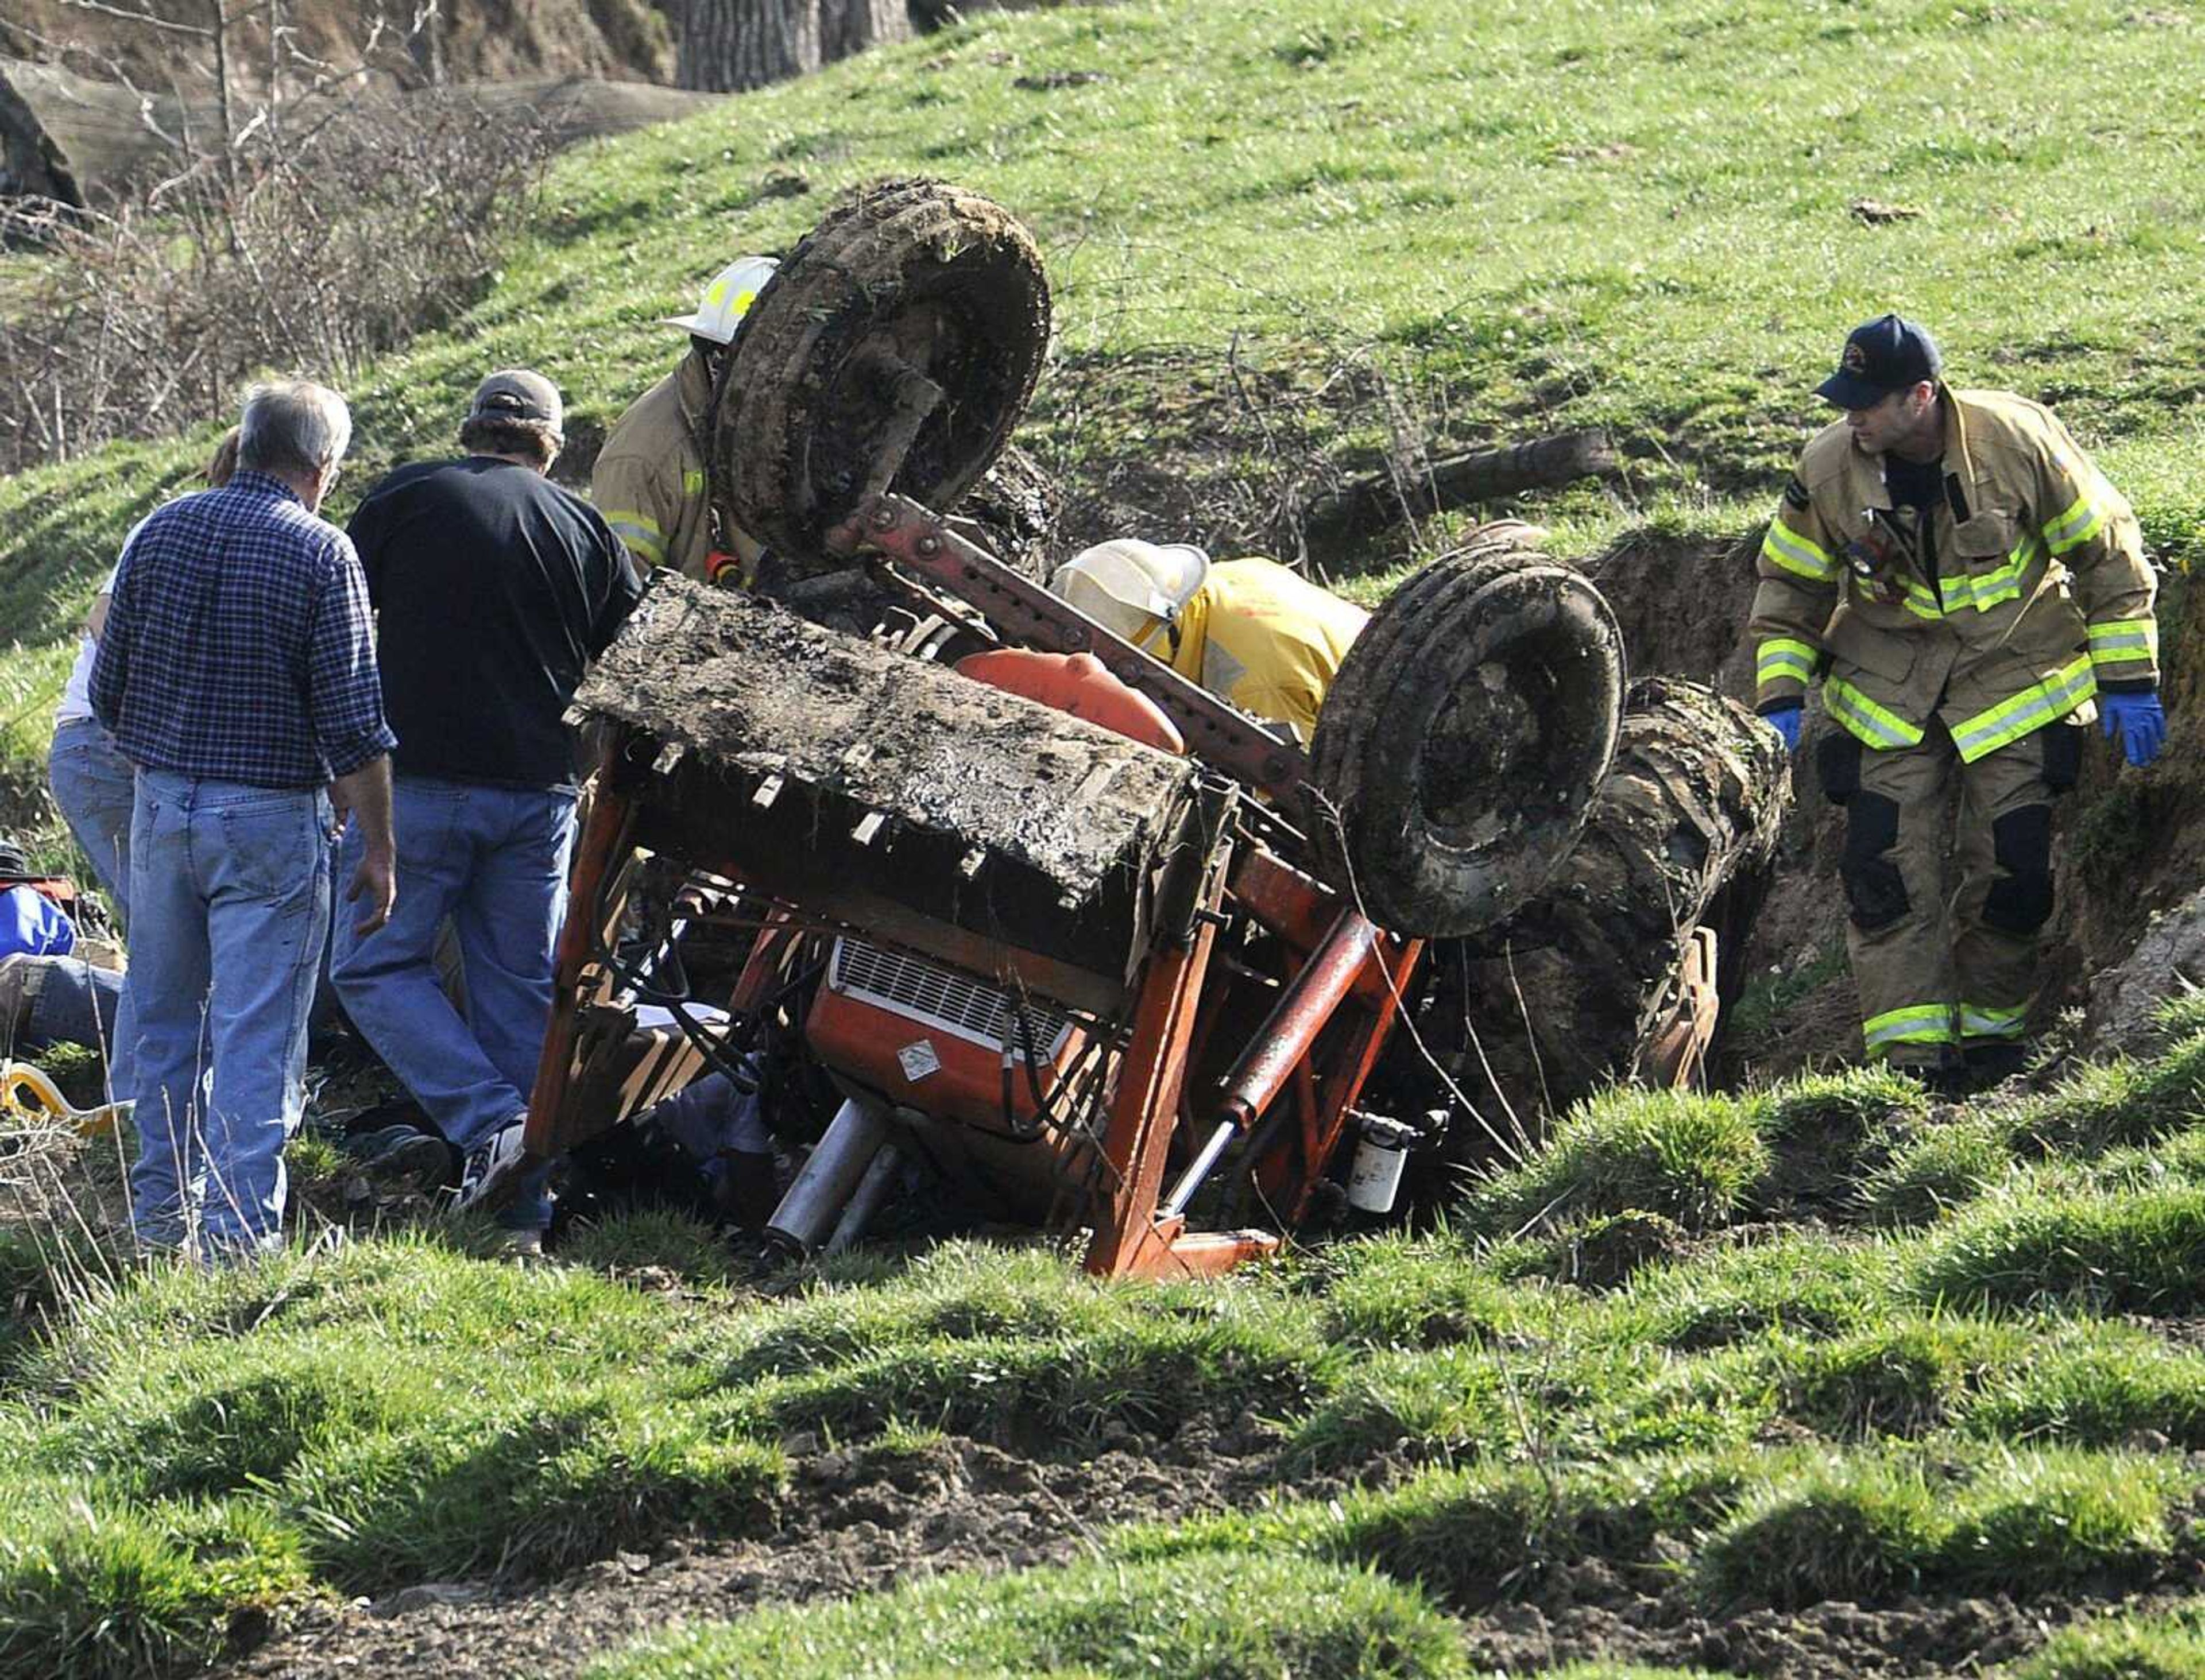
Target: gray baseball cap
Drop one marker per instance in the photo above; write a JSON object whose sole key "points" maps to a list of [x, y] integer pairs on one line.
{"points": [[517, 394]]}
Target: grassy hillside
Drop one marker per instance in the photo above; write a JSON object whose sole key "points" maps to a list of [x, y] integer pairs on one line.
{"points": [[1816, 1381], [1811, 1359], [1280, 233]]}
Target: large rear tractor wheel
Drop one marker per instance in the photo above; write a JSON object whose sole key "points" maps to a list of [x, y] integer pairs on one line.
{"points": [[896, 349], [1461, 745]]}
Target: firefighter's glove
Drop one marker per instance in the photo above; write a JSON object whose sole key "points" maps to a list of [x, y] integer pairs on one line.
{"points": [[2137, 721], [1786, 717]]}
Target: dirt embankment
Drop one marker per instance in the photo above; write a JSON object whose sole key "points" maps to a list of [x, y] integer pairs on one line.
{"points": [[864, 1521], [2132, 843]]}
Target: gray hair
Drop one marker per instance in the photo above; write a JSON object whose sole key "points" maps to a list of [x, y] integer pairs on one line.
{"points": [[294, 426]]}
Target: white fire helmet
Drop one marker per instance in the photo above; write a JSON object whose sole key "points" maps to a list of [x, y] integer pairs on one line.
{"points": [[733, 289], [1130, 585]]}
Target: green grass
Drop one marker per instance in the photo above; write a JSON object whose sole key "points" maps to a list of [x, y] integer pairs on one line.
{"points": [[1687, 1158], [190, 1445], [1873, 1527], [1773, 1417], [1785, 1528], [1473, 1535], [1514, 220], [1902, 1377], [2136, 1253], [1940, 1168], [1802, 1284], [1235, 1617], [2169, 1646]]}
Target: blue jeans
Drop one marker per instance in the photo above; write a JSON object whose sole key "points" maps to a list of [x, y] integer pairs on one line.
{"points": [[230, 899], [494, 860], [71, 1003], [708, 1118], [96, 789]]}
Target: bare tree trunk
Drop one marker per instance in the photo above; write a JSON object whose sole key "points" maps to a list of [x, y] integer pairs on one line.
{"points": [[847, 26], [1358, 508], [728, 46], [220, 24]]}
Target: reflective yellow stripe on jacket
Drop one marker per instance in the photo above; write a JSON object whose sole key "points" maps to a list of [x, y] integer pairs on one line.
{"points": [[1876, 725], [1984, 590], [1782, 656], [2032, 709], [639, 532], [2078, 525], [2124, 639], [1796, 555]]}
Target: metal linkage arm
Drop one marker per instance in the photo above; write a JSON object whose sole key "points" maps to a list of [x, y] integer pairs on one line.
{"points": [[913, 536]]}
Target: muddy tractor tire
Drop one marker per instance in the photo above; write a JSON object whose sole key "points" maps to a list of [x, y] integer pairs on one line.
{"points": [[911, 298], [1461, 747]]}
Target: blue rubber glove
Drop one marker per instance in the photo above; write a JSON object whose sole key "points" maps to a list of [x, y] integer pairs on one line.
{"points": [[2138, 722], [1786, 717]]}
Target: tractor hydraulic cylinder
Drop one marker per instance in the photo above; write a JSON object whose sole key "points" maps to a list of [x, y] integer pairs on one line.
{"points": [[1295, 1020], [1284, 1039]]}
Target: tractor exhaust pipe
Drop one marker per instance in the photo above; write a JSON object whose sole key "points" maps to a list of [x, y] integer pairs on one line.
{"points": [[807, 1214], [865, 1201]]}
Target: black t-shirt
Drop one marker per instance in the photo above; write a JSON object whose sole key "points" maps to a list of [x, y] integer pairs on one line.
{"points": [[1914, 484], [1915, 487], [493, 587]]}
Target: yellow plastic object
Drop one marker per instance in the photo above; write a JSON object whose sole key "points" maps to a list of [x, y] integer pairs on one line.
{"points": [[26, 1090]]}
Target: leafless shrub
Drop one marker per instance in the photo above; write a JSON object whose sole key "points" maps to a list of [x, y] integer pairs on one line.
{"points": [[309, 248]]}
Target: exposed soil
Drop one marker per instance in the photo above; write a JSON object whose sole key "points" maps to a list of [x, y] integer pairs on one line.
{"points": [[852, 1522], [1587, 1614], [859, 1522], [473, 40]]}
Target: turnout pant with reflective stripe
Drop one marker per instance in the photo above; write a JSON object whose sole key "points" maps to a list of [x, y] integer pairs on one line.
{"points": [[1939, 961]]}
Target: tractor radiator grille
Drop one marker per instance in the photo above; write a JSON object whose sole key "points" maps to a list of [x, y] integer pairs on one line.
{"points": [[941, 998]]}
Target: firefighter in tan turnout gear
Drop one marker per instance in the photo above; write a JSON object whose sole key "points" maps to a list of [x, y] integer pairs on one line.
{"points": [[652, 480], [1966, 587]]}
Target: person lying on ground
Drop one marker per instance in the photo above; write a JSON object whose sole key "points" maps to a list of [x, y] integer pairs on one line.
{"points": [[49, 1000]]}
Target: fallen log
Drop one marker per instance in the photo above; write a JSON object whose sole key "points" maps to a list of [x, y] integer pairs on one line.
{"points": [[1370, 504]]}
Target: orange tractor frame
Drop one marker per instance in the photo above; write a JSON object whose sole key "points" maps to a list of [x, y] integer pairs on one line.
{"points": [[1282, 1081]]}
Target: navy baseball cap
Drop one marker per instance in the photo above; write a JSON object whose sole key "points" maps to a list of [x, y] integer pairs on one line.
{"points": [[1888, 354]]}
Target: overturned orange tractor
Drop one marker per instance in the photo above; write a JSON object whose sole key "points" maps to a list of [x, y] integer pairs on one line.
{"points": [[1046, 921]]}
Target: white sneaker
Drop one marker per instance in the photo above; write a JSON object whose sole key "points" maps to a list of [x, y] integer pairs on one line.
{"points": [[493, 1167]]}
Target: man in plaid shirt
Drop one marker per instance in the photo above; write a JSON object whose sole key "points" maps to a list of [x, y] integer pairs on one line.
{"points": [[238, 674]]}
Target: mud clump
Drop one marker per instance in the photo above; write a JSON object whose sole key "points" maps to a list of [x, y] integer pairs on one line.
{"points": [[749, 687]]}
